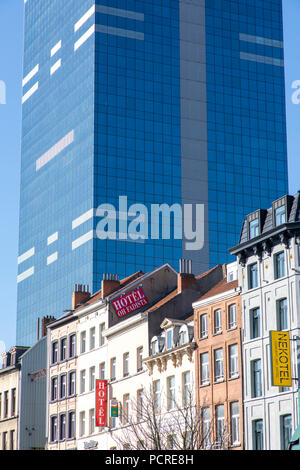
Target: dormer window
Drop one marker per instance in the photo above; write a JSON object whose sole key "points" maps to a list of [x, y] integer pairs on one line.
{"points": [[183, 337], [280, 215], [255, 221], [169, 339], [281, 210], [154, 346], [254, 228]]}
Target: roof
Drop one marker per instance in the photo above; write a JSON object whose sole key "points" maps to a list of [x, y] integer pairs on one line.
{"points": [[123, 282], [171, 295], [267, 221], [163, 301], [220, 288], [208, 272]]}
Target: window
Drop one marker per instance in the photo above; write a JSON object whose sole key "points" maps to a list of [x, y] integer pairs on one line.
{"points": [[282, 319], [0, 405], [232, 316], [92, 421], [82, 342], [53, 428], [72, 346], [254, 228], [139, 405], [169, 339], [280, 216], [5, 410], [92, 379], [126, 364], [82, 381], [63, 386], [220, 426], [139, 355], [63, 349], [62, 427], [154, 346], [101, 334], [171, 392], [12, 439], [54, 386], [92, 338], [219, 374], [113, 369], [204, 365], [156, 396], [102, 370], [72, 383], [171, 441], [82, 423], [126, 408], [258, 443], [183, 337], [203, 326], [286, 431], [279, 265], [71, 425], [218, 321], [235, 423], [255, 323], [233, 361], [54, 356], [252, 276], [256, 378], [13, 402], [206, 427], [4, 441], [186, 386]]}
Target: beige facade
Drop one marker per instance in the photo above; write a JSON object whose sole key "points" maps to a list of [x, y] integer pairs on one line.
{"points": [[9, 399], [62, 371]]}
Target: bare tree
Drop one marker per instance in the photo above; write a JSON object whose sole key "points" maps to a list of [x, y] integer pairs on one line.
{"points": [[154, 423]]}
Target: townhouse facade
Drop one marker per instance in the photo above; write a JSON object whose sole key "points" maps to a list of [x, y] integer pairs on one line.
{"points": [[219, 395], [171, 370], [9, 398], [269, 273], [62, 382]]}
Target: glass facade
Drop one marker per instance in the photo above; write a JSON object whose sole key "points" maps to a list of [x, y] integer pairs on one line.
{"points": [[162, 102]]}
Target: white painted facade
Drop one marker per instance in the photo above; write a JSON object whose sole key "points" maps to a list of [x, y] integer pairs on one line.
{"points": [[274, 403], [92, 354]]}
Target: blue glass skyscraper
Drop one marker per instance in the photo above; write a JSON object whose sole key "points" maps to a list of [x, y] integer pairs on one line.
{"points": [[164, 102]]}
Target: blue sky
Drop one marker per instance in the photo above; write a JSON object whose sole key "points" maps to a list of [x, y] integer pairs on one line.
{"points": [[11, 47]]}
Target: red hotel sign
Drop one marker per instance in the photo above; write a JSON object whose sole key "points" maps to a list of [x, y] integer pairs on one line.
{"points": [[129, 303], [101, 402]]}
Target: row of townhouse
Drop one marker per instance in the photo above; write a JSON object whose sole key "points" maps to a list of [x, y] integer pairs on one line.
{"points": [[186, 358]]}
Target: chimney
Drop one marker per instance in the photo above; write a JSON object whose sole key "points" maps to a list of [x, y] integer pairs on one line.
{"points": [[81, 293], [38, 330], [224, 270], [45, 322], [109, 284], [185, 277]]}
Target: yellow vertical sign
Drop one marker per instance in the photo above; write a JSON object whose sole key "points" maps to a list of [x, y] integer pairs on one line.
{"points": [[281, 358]]}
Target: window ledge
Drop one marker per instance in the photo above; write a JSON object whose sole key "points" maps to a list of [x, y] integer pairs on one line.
{"points": [[219, 381], [236, 444], [218, 333], [232, 328], [202, 338], [234, 377], [205, 384]]}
